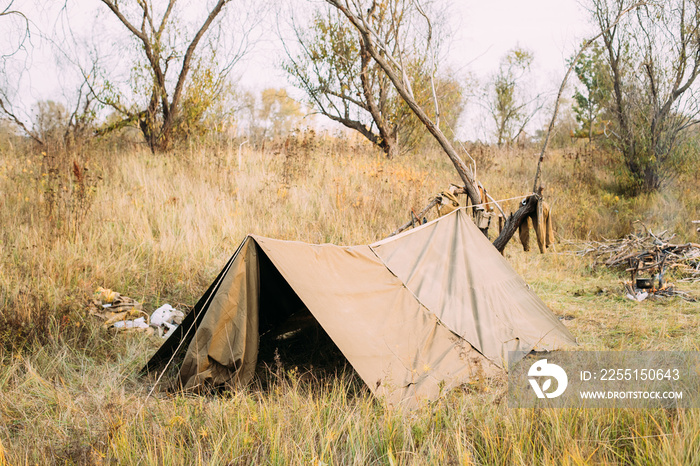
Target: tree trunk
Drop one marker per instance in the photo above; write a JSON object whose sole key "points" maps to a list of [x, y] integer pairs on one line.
{"points": [[389, 146], [387, 140], [652, 181], [527, 207]]}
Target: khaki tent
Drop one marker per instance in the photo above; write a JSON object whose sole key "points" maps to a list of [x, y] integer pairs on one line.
{"points": [[417, 313]]}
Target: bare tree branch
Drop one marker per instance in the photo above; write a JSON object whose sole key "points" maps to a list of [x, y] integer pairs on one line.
{"points": [[361, 23], [19, 123], [608, 28], [162, 115]]}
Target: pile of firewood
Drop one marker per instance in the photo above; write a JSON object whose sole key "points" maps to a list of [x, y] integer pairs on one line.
{"points": [[650, 258], [645, 251]]}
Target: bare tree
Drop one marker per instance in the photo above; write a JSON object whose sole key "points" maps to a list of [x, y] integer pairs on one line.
{"points": [[359, 15], [18, 41], [342, 81], [652, 63], [53, 123], [18, 30], [57, 121], [156, 30]]}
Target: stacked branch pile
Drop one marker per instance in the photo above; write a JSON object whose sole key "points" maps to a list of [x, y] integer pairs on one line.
{"points": [[649, 250], [647, 254], [651, 255]]}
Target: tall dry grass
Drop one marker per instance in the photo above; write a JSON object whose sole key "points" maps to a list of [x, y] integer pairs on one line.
{"points": [[158, 228]]}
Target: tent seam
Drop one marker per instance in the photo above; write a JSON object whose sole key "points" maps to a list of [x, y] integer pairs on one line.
{"points": [[430, 311]]}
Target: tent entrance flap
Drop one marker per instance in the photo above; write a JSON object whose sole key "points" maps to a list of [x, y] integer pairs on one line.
{"points": [[249, 319], [290, 336]]}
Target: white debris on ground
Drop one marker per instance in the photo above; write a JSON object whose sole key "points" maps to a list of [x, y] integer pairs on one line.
{"points": [[639, 296], [122, 313], [139, 323], [166, 317]]}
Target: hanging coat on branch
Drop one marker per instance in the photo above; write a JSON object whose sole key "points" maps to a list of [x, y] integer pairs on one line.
{"points": [[542, 223]]}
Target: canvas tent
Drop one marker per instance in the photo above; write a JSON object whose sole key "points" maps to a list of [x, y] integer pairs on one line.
{"points": [[417, 313]]}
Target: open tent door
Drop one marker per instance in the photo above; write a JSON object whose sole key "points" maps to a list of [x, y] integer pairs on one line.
{"points": [[290, 336], [249, 316]]}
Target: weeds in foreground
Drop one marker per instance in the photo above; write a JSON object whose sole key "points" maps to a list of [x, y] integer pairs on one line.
{"points": [[158, 228], [65, 406]]}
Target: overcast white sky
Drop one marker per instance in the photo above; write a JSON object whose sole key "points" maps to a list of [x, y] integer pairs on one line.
{"points": [[550, 28], [484, 32]]}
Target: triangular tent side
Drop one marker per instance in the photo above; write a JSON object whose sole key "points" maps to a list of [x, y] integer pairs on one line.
{"points": [[452, 268], [225, 345]]}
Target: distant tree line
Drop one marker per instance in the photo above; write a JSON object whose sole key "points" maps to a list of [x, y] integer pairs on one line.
{"points": [[376, 67]]}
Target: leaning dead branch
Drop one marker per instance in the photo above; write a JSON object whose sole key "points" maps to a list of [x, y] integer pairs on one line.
{"points": [[416, 218]]}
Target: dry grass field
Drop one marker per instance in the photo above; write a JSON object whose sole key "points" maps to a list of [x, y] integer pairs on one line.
{"points": [[159, 227]]}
